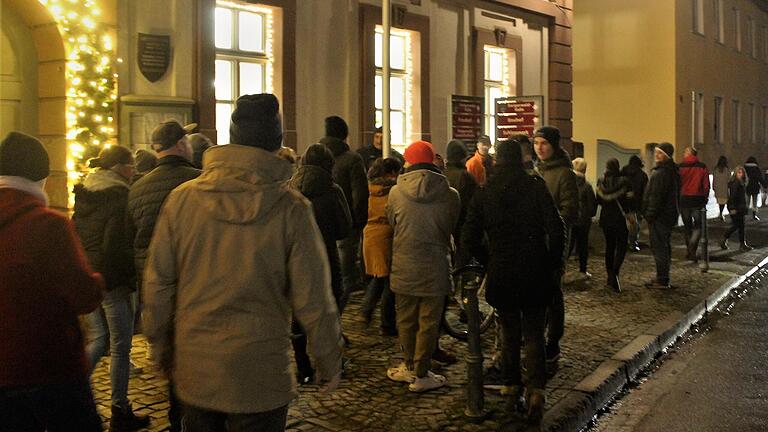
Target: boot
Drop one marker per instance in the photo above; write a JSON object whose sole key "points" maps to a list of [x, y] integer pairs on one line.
{"points": [[534, 401], [724, 244], [614, 281], [124, 420], [514, 399]]}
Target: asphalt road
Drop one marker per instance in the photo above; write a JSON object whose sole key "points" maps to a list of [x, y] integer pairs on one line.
{"points": [[716, 381]]}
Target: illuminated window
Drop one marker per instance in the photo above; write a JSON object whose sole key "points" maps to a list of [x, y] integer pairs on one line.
{"points": [[496, 78], [400, 85], [244, 57]]}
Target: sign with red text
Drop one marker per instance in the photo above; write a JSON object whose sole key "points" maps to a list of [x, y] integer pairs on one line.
{"points": [[466, 119], [518, 115]]}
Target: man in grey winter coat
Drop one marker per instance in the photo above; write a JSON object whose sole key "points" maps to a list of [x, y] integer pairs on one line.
{"points": [[423, 211], [236, 253]]}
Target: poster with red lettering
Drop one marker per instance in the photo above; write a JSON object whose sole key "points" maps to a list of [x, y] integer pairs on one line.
{"points": [[518, 115]]}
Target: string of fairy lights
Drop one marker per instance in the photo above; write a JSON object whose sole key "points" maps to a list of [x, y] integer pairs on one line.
{"points": [[91, 80]]}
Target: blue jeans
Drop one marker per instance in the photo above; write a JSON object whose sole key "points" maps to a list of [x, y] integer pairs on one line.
{"points": [[53, 407], [113, 321]]}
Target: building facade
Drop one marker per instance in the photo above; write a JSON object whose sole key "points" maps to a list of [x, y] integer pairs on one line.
{"points": [[691, 72], [190, 59]]}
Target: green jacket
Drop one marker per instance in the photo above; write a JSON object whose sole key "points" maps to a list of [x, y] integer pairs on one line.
{"points": [[558, 174]]}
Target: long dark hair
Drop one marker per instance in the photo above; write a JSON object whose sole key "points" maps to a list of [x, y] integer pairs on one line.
{"points": [[612, 168], [722, 163], [383, 167], [318, 155]]}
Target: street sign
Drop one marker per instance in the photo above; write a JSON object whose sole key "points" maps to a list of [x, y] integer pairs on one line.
{"points": [[466, 119], [518, 115]]}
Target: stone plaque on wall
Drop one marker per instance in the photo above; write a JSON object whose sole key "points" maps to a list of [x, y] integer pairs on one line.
{"points": [[154, 55]]}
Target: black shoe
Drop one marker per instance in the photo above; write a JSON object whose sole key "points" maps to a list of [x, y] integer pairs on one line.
{"points": [[745, 247], [724, 244], [656, 284], [754, 216], [613, 282], [124, 420], [492, 376], [552, 360], [391, 332], [443, 356], [305, 377]]}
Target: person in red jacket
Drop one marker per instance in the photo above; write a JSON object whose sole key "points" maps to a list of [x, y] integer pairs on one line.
{"points": [[694, 193], [46, 283]]}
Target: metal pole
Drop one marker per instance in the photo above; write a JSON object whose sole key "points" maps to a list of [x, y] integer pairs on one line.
{"points": [[474, 358], [386, 10], [705, 240]]}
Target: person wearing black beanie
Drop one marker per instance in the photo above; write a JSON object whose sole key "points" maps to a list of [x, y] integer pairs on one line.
{"points": [[255, 122], [23, 155]]}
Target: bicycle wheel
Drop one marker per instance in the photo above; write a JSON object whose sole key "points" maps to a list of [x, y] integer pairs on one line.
{"points": [[455, 317]]}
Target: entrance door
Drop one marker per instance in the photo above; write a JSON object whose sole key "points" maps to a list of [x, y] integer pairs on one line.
{"points": [[18, 76]]}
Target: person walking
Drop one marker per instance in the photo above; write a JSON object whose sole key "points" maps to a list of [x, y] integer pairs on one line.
{"points": [[423, 211], [371, 153], [99, 218], [526, 238], [236, 253], [583, 222], [755, 180], [638, 179], [556, 169], [612, 191], [46, 283], [737, 207], [660, 208], [377, 245], [349, 173], [174, 166], [721, 176], [694, 194], [315, 181]]}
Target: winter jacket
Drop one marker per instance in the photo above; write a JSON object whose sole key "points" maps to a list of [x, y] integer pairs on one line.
{"points": [[720, 181], [481, 167], [638, 179], [587, 204], [377, 234], [423, 211], [464, 183], [147, 196], [755, 178], [349, 172], [46, 283], [558, 174], [100, 220], [236, 252], [694, 183], [660, 201], [331, 213], [612, 196], [371, 153], [526, 234], [737, 197]]}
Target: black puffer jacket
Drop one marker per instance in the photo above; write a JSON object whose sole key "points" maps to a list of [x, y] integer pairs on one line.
{"points": [[638, 179], [371, 153], [662, 196], [755, 177], [331, 213], [146, 198], [464, 182], [737, 197], [526, 234], [99, 220], [349, 173]]}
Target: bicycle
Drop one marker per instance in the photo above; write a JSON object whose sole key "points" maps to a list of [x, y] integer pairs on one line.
{"points": [[455, 318]]}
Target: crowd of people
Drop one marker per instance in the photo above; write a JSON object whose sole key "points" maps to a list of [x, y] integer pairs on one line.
{"points": [[231, 258]]}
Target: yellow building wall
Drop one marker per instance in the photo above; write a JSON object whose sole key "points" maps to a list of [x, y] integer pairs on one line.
{"points": [[623, 74]]}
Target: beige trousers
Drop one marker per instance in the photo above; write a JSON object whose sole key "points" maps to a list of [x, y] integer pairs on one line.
{"points": [[418, 325]]}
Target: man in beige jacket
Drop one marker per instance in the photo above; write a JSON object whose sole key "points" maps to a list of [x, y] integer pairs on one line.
{"points": [[234, 254]]}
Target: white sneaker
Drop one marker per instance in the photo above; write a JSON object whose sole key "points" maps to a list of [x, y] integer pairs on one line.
{"points": [[401, 374], [429, 382]]}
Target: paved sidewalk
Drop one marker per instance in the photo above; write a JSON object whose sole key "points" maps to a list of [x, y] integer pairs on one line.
{"points": [[599, 323]]}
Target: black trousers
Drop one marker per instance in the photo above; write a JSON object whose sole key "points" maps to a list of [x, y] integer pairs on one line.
{"points": [[615, 247], [518, 324], [580, 240], [737, 224], [202, 420]]}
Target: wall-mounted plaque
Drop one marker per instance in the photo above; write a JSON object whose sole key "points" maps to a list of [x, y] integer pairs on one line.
{"points": [[154, 55]]}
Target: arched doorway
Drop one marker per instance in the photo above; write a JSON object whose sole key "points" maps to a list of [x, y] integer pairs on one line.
{"points": [[40, 93]]}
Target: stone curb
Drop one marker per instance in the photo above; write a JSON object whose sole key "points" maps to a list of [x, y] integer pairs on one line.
{"points": [[595, 391]]}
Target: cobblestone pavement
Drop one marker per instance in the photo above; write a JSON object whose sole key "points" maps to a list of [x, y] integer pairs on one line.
{"points": [[599, 322]]}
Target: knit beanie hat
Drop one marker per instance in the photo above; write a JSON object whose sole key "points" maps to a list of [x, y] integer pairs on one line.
{"points": [[419, 152], [336, 127], [666, 148], [256, 122], [456, 151], [580, 165], [509, 152], [22, 155], [551, 134], [145, 161], [111, 156]]}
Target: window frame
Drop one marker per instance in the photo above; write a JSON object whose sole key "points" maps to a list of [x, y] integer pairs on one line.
{"points": [[406, 73], [752, 123], [752, 37], [697, 9], [719, 8], [737, 29], [736, 132], [698, 118], [489, 114], [719, 119]]}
